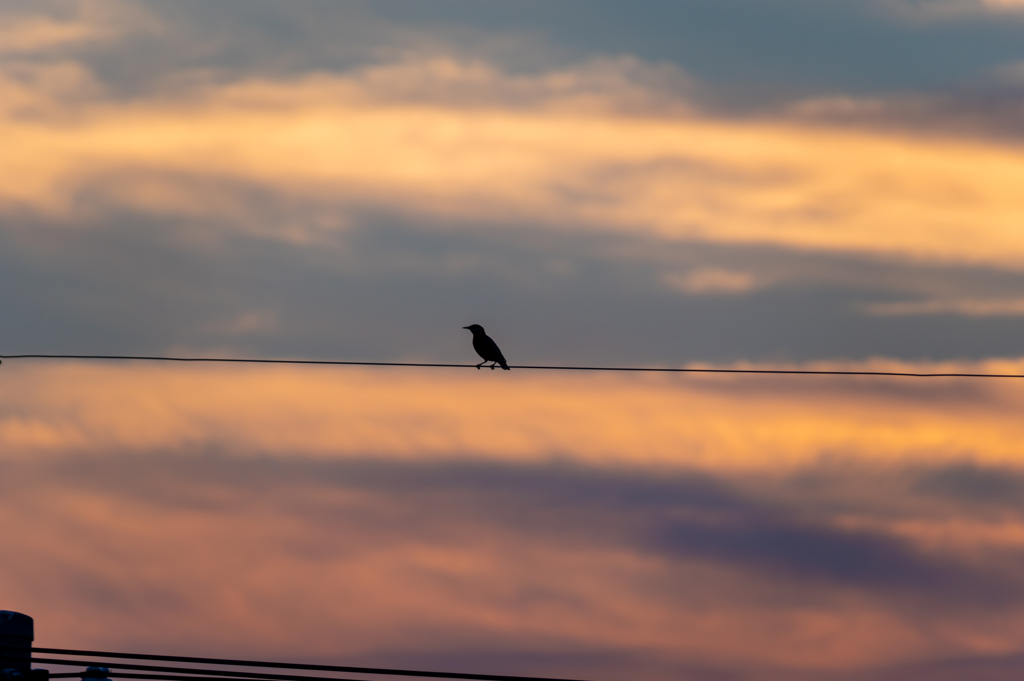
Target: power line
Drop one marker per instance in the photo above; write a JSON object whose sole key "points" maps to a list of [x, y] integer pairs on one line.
{"points": [[211, 674], [224, 675], [115, 674], [683, 370]]}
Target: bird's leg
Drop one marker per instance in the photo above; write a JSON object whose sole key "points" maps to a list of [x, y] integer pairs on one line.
{"points": [[481, 364]]}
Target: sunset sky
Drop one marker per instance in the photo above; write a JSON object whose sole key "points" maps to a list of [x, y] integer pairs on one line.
{"points": [[798, 184]]}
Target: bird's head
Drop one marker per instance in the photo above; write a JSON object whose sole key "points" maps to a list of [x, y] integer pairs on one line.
{"points": [[475, 328]]}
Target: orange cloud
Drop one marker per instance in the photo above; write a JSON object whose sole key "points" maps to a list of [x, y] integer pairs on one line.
{"points": [[969, 307], [266, 581], [935, 11], [538, 150], [711, 281], [154, 497], [717, 423]]}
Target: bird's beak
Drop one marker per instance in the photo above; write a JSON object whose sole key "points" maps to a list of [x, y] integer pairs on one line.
{"points": [[465, 327]]}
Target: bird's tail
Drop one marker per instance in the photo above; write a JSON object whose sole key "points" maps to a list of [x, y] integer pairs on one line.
{"points": [[504, 364]]}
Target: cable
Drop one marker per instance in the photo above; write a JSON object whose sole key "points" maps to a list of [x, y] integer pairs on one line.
{"points": [[162, 677], [143, 358], [276, 665], [685, 370], [219, 673]]}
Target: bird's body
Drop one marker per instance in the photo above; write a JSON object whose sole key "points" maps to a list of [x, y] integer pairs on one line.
{"points": [[486, 348]]}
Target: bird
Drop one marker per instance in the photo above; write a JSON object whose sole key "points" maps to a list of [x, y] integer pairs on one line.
{"points": [[486, 348]]}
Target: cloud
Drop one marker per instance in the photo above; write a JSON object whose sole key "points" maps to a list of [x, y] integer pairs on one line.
{"points": [[966, 307], [55, 30], [536, 566], [249, 195], [744, 525], [942, 11], [35, 33], [711, 281], [603, 421], [1009, 74], [332, 213], [339, 144], [971, 483], [851, 557], [985, 108]]}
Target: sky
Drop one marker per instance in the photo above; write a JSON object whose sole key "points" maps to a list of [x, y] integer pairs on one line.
{"points": [[798, 184]]}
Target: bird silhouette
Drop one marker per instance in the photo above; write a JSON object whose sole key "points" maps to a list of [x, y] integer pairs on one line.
{"points": [[486, 348]]}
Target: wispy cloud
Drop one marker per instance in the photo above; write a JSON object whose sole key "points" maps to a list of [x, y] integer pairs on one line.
{"points": [[607, 421], [322, 182], [307, 194], [931, 11], [34, 33], [54, 29], [969, 307], [514, 566], [711, 281], [347, 143]]}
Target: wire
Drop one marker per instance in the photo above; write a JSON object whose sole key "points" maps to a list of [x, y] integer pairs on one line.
{"points": [[159, 677], [685, 370], [273, 665], [220, 673], [142, 358], [115, 674]]}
